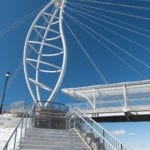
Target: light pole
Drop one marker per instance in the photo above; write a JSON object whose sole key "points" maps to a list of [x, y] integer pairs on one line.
{"points": [[4, 92]]}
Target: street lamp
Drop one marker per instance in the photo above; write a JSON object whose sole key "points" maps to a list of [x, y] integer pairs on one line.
{"points": [[4, 92]]}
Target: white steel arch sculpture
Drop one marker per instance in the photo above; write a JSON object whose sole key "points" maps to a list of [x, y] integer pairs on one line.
{"points": [[45, 53]]}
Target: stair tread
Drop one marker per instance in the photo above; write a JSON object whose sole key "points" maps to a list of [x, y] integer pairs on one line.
{"points": [[43, 129], [50, 139], [52, 133], [53, 146], [47, 139]]}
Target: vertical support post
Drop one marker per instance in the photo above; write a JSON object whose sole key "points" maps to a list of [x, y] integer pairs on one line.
{"points": [[70, 125], [100, 99], [6, 148], [103, 140], [33, 115], [125, 98], [94, 100], [21, 133], [74, 122], [121, 147], [66, 122], [25, 123]]}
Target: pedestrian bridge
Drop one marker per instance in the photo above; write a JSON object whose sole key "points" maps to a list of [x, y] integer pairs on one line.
{"points": [[126, 101]]}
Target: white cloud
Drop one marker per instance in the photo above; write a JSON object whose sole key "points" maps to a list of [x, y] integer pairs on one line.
{"points": [[139, 145], [131, 133], [118, 132]]}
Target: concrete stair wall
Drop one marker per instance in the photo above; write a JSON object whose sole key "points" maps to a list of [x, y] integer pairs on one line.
{"points": [[51, 139]]}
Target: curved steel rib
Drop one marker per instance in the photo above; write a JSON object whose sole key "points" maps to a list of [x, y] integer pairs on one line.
{"points": [[44, 50]]}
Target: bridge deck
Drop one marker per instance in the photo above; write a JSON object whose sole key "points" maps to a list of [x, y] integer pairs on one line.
{"points": [[114, 102], [118, 115]]}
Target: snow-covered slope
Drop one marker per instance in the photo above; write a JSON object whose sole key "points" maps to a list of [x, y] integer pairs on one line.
{"points": [[7, 124]]}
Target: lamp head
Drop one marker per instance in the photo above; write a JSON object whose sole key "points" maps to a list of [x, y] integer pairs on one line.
{"points": [[7, 75]]}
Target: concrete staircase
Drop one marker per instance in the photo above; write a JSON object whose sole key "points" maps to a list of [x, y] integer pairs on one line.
{"points": [[51, 139]]}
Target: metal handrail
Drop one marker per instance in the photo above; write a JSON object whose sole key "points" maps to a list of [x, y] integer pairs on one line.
{"points": [[27, 122], [23, 124], [84, 125]]}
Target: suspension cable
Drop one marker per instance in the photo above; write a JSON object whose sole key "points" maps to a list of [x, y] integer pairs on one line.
{"points": [[114, 4], [111, 18], [11, 27], [109, 49], [117, 97], [87, 55], [147, 36], [112, 43], [114, 24], [20, 21], [81, 46], [110, 11], [91, 20]]}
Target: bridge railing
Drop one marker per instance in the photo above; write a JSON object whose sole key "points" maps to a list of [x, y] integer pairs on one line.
{"points": [[53, 106], [134, 104], [92, 132], [122, 96], [51, 116]]}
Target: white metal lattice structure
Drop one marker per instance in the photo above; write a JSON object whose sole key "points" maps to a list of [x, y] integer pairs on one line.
{"points": [[45, 53]]}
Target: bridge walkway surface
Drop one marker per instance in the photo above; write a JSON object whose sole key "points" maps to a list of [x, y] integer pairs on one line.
{"points": [[126, 101]]}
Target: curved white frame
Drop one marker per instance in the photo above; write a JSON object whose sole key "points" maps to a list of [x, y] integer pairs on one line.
{"points": [[59, 6]]}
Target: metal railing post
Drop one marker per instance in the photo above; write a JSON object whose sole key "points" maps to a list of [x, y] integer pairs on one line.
{"points": [[67, 123], [15, 140], [74, 122], [21, 132], [25, 123], [103, 133], [6, 147], [121, 147], [125, 98]]}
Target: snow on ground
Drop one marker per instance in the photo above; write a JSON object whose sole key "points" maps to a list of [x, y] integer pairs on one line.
{"points": [[8, 122]]}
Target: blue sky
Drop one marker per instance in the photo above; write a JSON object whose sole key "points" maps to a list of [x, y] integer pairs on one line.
{"points": [[79, 71], [135, 134]]}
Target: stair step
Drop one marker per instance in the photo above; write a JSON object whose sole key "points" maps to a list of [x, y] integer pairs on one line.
{"points": [[43, 147], [65, 132], [49, 133], [52, 136], [51, 142], [55, 148], [51, 139], [46, 130]]}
